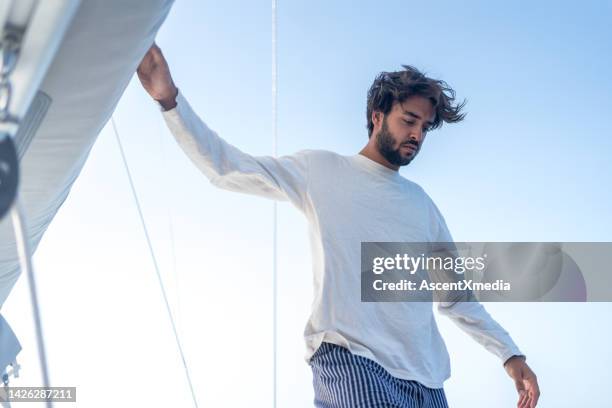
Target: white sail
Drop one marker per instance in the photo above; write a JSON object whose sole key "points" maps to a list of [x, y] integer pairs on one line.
{"points": [[93, 65]]}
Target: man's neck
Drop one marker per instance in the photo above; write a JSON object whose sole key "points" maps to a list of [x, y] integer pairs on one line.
{"points": [[373, 154]]}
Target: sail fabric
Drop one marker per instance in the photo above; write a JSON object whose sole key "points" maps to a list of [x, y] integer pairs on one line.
{"points": [[94, 64]]}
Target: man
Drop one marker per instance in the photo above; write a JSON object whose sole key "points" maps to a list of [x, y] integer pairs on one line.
{"points": [[361, 354]]}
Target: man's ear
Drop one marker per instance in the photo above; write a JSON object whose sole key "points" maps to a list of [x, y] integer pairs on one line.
{"points": [[377, 119]]}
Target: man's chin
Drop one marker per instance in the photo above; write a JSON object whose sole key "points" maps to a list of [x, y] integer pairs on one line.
{"points": [[406, 159], [403, 161], [398, 158], [406, 162]]}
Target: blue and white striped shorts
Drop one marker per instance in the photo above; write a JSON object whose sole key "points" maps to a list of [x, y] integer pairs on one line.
{"points": [[345, 380]]}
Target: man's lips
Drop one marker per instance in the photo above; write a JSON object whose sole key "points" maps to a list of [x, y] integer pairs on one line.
{"points": [[410, 146]]}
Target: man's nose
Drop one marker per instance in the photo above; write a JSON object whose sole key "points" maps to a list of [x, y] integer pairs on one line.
{"points": [[416, 136]]}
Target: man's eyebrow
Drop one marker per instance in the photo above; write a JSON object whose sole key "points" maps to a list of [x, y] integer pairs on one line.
{"points": [[416, 116]]}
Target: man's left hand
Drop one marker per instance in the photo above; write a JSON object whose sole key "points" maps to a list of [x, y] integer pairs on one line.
{"points": [[525, 381]]}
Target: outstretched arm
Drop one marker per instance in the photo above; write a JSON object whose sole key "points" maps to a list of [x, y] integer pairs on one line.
{"points": [[225, 165], [472, 318]]}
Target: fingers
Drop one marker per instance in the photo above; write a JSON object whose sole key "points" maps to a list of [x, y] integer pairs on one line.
{"points": [[156, 52], [529, 393], [534, 393], [526, 384], [529, 400], [153, 53], [523, 399], [152, 59], [154, 48]]}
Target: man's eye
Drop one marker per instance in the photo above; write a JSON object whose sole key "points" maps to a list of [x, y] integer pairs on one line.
{"points": [[425, 129]]}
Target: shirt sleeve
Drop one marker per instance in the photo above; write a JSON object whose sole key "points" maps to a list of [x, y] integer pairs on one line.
{"points": [[284, 178], [471, 316]]}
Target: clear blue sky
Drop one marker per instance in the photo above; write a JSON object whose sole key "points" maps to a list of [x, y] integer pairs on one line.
{"points": [[529, 163]]}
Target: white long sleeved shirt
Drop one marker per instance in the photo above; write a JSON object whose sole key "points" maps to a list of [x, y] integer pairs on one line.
{"points": [[347, 200]]}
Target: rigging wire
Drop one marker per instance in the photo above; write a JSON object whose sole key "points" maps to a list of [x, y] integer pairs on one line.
{"points": [[175, 273], [275, 212], [154, 259], [23, 249]]}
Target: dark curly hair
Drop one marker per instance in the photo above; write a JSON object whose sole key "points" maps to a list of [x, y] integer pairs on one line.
{"points": [[389, 87]]}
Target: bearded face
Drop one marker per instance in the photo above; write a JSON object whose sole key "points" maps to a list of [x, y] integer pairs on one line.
{"points": [[403, 130], [393, 149]]}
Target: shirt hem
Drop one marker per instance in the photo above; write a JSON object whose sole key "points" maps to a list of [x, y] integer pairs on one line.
{"points": [[399, 374]]}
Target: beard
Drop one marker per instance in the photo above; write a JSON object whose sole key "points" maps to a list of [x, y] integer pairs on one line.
{"points": [[385, 144]]}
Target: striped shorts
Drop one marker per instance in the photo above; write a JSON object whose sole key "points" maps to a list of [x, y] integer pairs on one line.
{"points": [[345, 380]]}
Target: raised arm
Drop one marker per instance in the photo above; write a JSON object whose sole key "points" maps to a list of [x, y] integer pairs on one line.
{"points": [[226, 166]]}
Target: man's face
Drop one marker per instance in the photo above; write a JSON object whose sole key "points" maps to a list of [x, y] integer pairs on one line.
{"points": [[403, 130]]}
